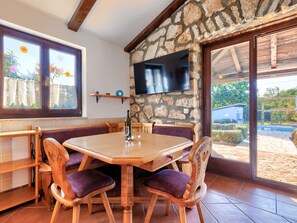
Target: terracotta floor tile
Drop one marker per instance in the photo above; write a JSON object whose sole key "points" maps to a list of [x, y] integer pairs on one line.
{"points": [[159, 214], [226, 186], [212, 198], [286, 197], [7, 214], [218, 206], [261, 216], [257, 201], [290, 220], [209, 178], [36, 215], [259, 190], [227, 213], [193, 217], [287, 210]]}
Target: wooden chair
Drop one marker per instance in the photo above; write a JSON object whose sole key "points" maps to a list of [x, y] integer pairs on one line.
{"points": [[180, 188], [75, 188], [62, 134]]}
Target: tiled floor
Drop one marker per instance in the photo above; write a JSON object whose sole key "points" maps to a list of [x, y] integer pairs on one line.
{"points": [[228, 200]]}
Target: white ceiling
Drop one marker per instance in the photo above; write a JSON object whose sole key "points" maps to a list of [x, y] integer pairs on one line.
{"points": [[117, 21]]}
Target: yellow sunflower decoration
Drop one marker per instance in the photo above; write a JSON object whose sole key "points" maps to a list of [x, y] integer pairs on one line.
{"points": [[67, 74], [24, 49]]}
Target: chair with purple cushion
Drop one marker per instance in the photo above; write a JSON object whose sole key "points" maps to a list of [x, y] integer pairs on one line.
{"points": [[180, 188], [187, 131], [75, 188]]}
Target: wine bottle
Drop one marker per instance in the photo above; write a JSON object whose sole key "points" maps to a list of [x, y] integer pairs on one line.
{"points": [[128, 123]]}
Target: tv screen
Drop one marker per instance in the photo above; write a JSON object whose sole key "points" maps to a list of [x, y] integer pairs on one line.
{"points": [[163, 74]]}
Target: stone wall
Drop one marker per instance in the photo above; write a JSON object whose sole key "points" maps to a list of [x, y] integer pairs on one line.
{"points": [[196, 21]]}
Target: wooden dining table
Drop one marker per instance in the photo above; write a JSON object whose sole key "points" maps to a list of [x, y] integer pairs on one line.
{"points": [[147, 151]]}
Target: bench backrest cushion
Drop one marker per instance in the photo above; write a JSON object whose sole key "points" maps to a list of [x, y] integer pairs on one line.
{"points": [[61, 135], [181, 131]]}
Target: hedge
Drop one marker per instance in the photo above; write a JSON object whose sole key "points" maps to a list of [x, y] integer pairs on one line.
{"points": [[243, 128], [227, 136], [294, 137], [225, 121]]}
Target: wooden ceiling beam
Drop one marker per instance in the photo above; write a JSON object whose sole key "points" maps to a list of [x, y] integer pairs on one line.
{"points": [[235, 59], [80, 14], [219, 56], [273, 50], [166, 13]]}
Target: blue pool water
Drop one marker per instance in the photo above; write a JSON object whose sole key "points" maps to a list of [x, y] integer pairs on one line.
{"points": [[276, 128]]}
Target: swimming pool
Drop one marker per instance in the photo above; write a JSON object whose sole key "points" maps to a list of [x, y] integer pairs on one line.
{"points": [[277, 128]]}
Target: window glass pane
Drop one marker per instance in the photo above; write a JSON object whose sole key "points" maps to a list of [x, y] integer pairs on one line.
{"points": [[21, 63], [62, 80], [230, 102], [277, 107]]}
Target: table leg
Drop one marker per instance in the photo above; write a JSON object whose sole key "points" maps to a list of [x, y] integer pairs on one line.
{"points": [[173, 166], [86, 161], [127, 192]]}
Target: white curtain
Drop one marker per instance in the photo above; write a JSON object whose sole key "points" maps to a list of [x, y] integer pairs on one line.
{"points": [[5, 92], [12, 85], [22, 92], [55, 95], [31, 90]]}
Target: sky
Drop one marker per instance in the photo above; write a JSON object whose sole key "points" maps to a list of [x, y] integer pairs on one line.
{"points": [[284, 83]]}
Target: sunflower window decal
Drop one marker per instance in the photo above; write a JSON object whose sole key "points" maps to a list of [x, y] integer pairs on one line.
{"points": [[24, 49]]}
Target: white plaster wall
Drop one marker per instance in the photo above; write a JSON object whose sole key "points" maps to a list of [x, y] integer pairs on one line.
{"points": [[105, 68], [106, 65]]}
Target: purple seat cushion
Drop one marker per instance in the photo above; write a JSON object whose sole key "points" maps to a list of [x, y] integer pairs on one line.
{"points": [[175, 131], [87, 181], [169, 181]]}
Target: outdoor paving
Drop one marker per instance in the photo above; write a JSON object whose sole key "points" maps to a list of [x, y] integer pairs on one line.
{"points": [[277, 155]]}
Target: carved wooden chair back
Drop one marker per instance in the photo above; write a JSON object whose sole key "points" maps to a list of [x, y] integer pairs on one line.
{"points": [[198, 158], [58, 157]]}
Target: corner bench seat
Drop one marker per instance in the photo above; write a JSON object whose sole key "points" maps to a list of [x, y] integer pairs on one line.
{"points": [[61, 135]]}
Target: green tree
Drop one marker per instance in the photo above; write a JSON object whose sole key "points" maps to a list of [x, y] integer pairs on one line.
{"points": [[280, 116], [230, 93]]}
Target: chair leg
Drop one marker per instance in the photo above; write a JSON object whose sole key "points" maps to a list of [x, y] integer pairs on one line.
{"points": [[150, 208], [75, 214], [168, 204], [55, 212], [200, 212], [182, 214], [107, 207], [90, 205]]}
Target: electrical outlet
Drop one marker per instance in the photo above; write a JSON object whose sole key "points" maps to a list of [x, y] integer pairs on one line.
{"points": [[186, 111]]}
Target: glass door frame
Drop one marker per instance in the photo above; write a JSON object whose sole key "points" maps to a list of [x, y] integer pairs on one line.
{"points": [[232, 167], [227, 166]]}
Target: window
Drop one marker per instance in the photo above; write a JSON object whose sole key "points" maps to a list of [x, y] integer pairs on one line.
{"points": [[39, 78]]}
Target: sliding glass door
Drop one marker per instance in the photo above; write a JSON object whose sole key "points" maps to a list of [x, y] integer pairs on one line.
{"points": [[250, 105], [228, 92], [277, 107]]}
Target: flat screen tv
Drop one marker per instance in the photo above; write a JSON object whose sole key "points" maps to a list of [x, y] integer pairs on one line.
{"points": [[163, 74]]}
